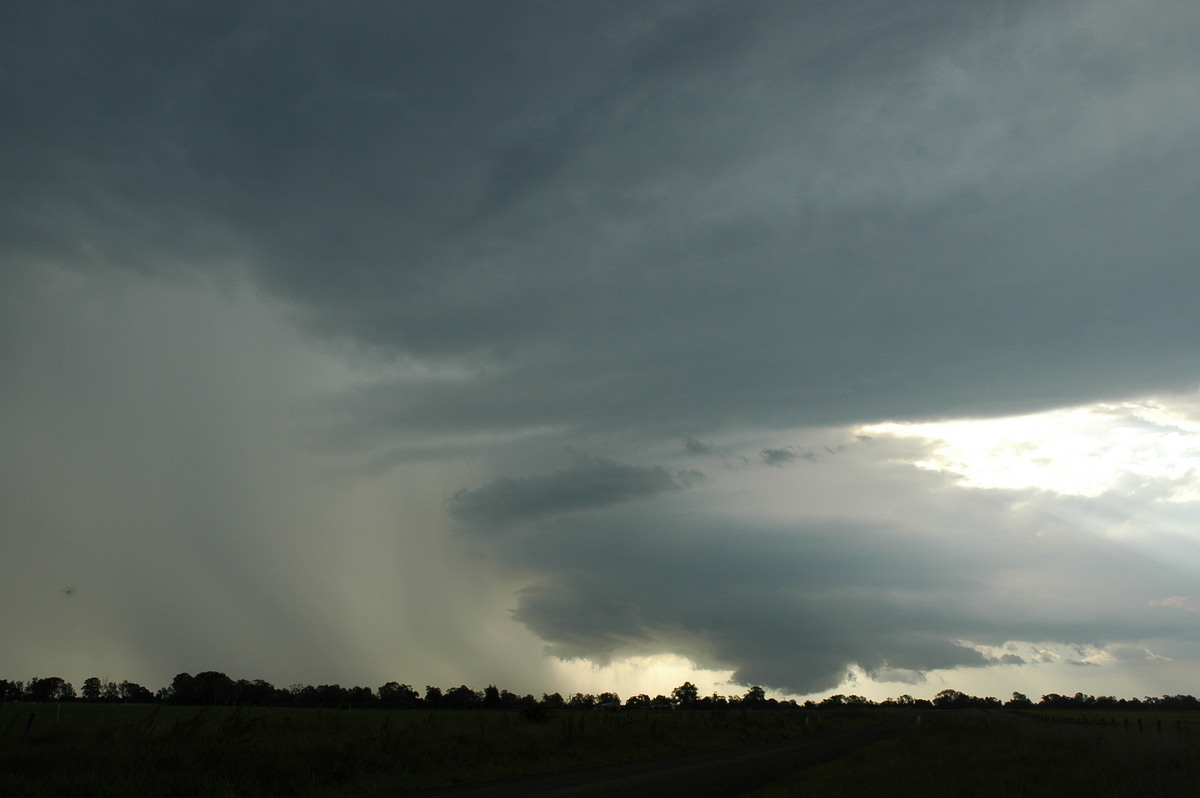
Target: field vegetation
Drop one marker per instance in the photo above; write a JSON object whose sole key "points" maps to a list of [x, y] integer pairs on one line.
{"points": [[77, 749], [209, 736], [994, 754]]}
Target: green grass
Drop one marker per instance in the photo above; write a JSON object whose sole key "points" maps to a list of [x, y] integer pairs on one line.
{"points": [[986, 754], [92, 750]]}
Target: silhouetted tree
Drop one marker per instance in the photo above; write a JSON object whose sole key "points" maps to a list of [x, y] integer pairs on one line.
{"points": [[639, 701], [754, 698], [462, 697], [260, 693], [398, 696], [214, 688], [1019, 701], [134, 693], [533, 711], [491, 697], [581, 701], [686, 695], [553, 701], [51, 688], [91, 689], [11, 691], [512, 700], [661, 702], [608, 700], [949, 699]]}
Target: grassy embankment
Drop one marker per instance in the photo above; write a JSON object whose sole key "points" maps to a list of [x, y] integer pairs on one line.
{"points": [[1045, 753], [78, 749]]}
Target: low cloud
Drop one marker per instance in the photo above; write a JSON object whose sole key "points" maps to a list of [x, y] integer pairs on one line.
{"points": [[793, 604], [784, 456], [589, 483], [1185, 603]]}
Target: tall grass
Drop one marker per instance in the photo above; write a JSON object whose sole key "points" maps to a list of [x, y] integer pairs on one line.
{"points": [[130, 751], [997, 754]]}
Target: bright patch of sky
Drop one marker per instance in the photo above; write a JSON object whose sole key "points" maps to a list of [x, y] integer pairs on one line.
{"points": [[1080, 451]]}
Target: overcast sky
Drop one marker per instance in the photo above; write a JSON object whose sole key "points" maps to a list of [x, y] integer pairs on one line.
{"points": [[832, 347]]}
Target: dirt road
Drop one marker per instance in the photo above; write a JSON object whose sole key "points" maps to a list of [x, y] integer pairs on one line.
{"points": [[716, 774]]}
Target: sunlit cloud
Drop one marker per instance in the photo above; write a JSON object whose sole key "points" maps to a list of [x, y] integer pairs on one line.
{"points": [[1081, 451]]}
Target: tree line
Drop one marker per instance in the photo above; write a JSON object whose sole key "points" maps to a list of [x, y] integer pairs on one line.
{"points": [[213, 688]]}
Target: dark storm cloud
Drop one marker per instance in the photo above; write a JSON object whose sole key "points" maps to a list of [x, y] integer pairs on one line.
{"points": [[591, 482], [546, 223], [795, 606], [641, 215], [913, 579]]}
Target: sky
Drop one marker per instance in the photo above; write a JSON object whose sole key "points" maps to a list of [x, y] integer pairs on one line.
{"points": [[602, 346]]}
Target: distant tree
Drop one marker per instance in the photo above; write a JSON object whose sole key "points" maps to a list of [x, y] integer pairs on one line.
{"points": [[755, 698], [1019, 701], [1052, 701], [608, 700], [433, 697], [639, 701], [553, 701], [949, 699], [686, 695], [181, 688], [661, 702], [398, 696], [1177, 702], [51, 688], [259, 693], [110, 692], [715, 701], [134, 693], [462, 697], [581, 701], [512, 700], [334, 695], [213, 688], [491, 697], [91, 689], [11, 691]]}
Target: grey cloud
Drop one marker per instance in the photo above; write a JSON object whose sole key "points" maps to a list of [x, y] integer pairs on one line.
{"points": [[784, 456], [630, 221], [590, 482], [794, 606], [777, 457], [640, 217]]}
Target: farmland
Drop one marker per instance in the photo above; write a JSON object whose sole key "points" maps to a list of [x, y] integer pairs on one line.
{"points": [[80, 749], [1045, 753], [85, 749]]}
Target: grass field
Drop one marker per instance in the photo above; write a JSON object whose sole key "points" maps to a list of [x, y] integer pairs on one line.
{"points": [[986, 754], [92, 750]]}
